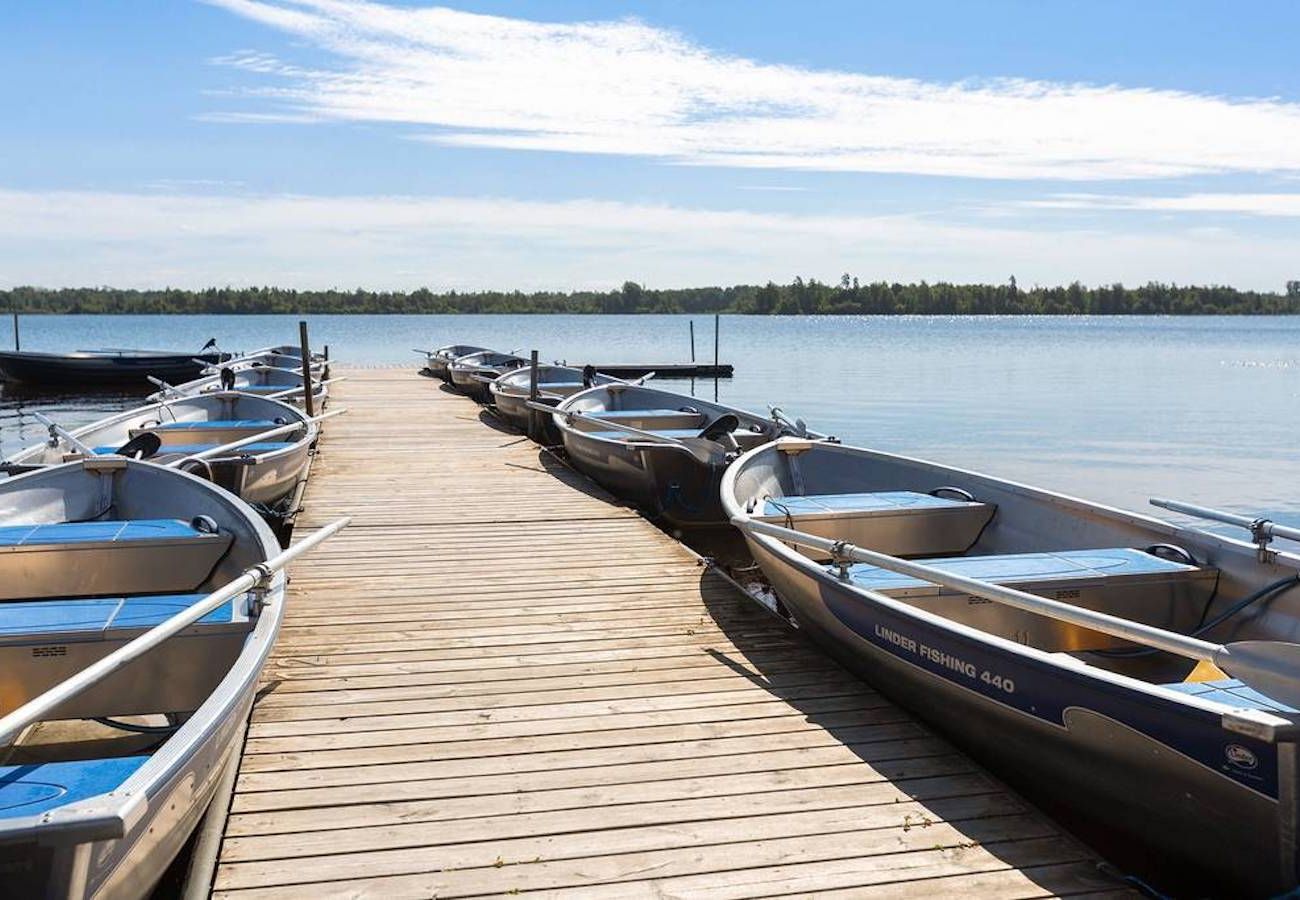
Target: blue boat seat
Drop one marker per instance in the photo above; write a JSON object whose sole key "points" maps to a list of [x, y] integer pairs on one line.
{"points": [[119, 532], [1020, 568], [106, 617], [221, 424], [268, 388], [638, 413], [885, 501], [109, 558], [187, 449], [1121, 581], [629, 436], [31, 790], [1232, 692]]}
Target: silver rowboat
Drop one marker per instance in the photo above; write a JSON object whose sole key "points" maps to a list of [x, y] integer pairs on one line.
{"points": [[438, 361], [1181, 760], [468, 373], [510, 392], [269, 381], [100, 560], [262, 472], [664, 451]]}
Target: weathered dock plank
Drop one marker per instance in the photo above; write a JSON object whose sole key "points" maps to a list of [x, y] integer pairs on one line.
{"points": [[498, 680]]}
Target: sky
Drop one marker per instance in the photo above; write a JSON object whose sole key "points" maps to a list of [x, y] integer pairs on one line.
{"points": [[541, 144]]}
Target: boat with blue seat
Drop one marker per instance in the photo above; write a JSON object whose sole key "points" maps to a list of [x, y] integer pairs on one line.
{"points": [[137, 607], [510, 392], [285, 384], [471, 374], [662, 450], [438, 361], [1134, 674], [177, 430]]}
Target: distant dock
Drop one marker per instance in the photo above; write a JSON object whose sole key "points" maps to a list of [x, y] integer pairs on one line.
{"points": [[499, 680], [669, 370]]}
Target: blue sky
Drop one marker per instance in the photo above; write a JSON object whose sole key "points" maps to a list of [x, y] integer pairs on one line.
{"points": [[578, 144]]}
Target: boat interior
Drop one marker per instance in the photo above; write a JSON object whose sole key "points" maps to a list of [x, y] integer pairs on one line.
{"points": [[552, 381], [455, 351], [667, 415], [253, 380], [1180, 579], [93, 554], [173, 429], [488, 360]]}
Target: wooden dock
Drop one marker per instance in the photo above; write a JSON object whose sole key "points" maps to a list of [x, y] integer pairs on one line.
{"points": [[499, 681]]}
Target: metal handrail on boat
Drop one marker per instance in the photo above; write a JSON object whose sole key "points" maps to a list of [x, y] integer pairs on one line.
{"points": [[57, 430], [39, 707], [1270, 667], [253, 439], [1262, 530]]}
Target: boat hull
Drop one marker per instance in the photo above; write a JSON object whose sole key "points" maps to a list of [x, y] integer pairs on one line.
{"points": [[1120, 764], [71, 370], [664, 480], [129, 867]]}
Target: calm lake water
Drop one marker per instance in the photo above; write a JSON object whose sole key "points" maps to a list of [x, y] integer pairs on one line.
{"points": [[1112, 409]]}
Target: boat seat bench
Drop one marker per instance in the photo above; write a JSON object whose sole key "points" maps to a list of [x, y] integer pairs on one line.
{"points": [[1232, 692], [66, 618], [45, 641], [900, 523], [1122, 581], [188, 449], [629, 436], [215, 423], [107, 558], [35, 789]]}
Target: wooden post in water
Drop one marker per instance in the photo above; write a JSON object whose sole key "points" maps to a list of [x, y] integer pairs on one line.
{"points": [[308, 402], [18, 345], [325, 372], [692, 340]]}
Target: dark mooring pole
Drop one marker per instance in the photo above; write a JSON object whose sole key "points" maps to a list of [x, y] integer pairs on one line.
{"points": [[308, 402], [534, 422], [18, 345], [716, 319], [692, 340]]}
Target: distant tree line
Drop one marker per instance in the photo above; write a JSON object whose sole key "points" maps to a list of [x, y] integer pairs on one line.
{"points": [[847, 297]]}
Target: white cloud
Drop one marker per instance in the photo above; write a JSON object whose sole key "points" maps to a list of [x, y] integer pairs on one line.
{"points": [[1272, 205], [199, 239], [624, 87]]}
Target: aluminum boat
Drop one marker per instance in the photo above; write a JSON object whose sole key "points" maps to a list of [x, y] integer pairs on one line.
{"points": [[662, 450], [438, 361], [90, 368], [191, 432], [467, 372], [1076, 648], [139, 605], [510, 392], [266, 381]]}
